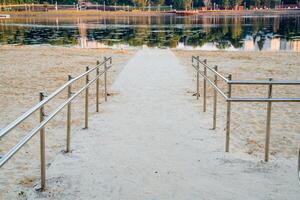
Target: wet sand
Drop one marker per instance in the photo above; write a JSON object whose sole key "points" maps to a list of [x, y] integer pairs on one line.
{"points": [[26, 71], [248, 125]]}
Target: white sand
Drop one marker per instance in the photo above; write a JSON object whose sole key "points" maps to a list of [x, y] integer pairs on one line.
{"points": [[153, 142], [24, 72], [249, 119]]}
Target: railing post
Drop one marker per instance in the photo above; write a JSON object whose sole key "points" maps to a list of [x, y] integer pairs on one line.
{"points": [[42, 146], [86, 101], [198, 78], [97, 87], [215, 101], [105, 79], [268, 124], [228, 116], [299, 165], [69, 117], [204, 87]]}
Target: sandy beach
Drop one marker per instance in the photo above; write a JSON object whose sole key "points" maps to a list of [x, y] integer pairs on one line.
{"points": [[152, 141], [26, 71], [249, 119]]}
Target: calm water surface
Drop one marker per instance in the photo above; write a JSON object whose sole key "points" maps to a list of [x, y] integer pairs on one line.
{"points": [[246, 33]]}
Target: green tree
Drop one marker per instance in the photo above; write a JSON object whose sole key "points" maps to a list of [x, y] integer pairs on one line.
{"points": [[198, 3], [178, 4], [226, 4], [187, 4], [140, 2], [157, 2]]}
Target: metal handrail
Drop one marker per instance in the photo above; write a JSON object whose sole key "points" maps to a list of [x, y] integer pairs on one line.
{"points": [[210, 68], [24, 116], [212, 84], [247, 82], [299, 165], [242, 99], [7, 156], [227, 96], [264, 82]]}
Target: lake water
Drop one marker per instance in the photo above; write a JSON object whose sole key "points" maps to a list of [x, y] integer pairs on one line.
{"points": [[245, 33]]}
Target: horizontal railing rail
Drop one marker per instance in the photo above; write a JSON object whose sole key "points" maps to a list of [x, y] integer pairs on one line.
{"points": [[204, 63], [24, 116], [263, 82], [247, 82], [212, 84], [45, 119], [237, 99], [196, 62]]}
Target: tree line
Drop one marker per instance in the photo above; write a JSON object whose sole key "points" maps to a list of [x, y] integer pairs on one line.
{"points": [[176, 4], [232, 33]]}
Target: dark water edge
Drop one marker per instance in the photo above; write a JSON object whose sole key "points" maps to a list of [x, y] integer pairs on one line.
{"points": [[242, 33]]}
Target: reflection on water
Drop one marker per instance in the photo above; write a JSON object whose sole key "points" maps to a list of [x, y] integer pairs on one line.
{"points": [[273, 33]]}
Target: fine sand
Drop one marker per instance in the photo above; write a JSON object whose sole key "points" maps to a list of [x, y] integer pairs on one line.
{"points": [[153, 142], [248, 121], [26, 71]]}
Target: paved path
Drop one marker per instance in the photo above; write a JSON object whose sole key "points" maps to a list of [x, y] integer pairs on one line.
{"points": [[152, 142]]}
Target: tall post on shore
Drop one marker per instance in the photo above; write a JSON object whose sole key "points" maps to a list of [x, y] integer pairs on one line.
{"points": [[299, 164], [105, 78], [215, 101], [97, 86], [228, 115], [86, 119], [268, 124], [204, 87], [198, 95], [69, 118], [42, 146]]}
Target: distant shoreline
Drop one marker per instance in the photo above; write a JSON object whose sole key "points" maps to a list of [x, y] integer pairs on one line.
{"points": [[95, 13]]}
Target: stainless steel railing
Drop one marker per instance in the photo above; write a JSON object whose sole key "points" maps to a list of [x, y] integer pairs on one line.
{"points": [[196, 62], [106, 63], [299, 165]]}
